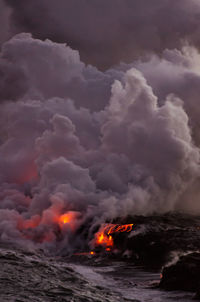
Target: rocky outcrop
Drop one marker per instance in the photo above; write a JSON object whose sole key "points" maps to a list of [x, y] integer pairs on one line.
{"points": [[155, 238], [183, 275]]}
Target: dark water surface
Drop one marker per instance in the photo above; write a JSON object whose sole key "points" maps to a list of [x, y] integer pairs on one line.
{"points": [[34, 277]]}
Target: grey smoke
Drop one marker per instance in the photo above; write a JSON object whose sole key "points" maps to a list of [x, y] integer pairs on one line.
{"points": [[97, 144], [5, 22], [107, 32]]}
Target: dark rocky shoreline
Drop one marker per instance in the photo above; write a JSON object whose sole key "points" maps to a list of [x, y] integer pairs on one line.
{"points": [[154, 242], [183, 275], [157, 241]]}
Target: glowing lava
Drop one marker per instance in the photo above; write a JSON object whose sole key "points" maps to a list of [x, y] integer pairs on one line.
{"points": [[92, 253], [104, 240], [65, 218], [69, 219], [104, 236], [117, 228]]}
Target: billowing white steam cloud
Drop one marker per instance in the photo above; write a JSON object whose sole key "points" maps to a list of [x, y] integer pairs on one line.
{"points": [[99, 145]]}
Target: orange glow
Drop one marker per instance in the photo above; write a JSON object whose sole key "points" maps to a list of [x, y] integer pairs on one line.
{"points": [[92, 253], [104, 236], [65, 218], [104, 240], [31, 223], [67, 222], [69, 219], [117, 228]]}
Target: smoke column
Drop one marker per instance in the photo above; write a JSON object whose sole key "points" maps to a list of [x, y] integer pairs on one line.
{"points": [[99, 114]]}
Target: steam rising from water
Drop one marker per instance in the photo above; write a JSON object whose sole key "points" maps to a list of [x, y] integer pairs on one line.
{"points": [[98, 144]]}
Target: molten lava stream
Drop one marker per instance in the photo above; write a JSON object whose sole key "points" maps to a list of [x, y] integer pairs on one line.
{"points": [[104, 236], [104, 240]]}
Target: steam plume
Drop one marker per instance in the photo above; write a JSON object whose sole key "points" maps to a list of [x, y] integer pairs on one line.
{"points": [[107, 32], [97, 144]]}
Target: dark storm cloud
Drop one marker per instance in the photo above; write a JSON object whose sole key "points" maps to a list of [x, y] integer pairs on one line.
{"points": [[107, 32]]}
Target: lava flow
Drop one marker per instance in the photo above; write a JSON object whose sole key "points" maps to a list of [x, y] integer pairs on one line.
{"points": [[104, 236]]}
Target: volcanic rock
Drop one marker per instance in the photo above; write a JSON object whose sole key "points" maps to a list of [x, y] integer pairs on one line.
{"points": [[154, 239], [183, 275]]}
